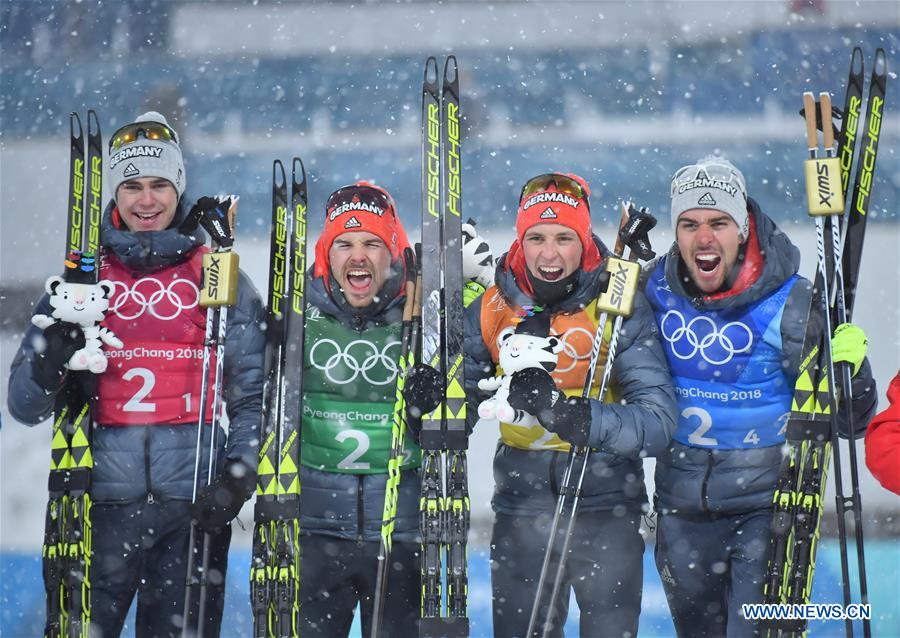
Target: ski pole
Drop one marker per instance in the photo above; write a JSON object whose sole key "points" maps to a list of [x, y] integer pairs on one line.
{"points": [[616, 300], [398, 433], [220, 275]]}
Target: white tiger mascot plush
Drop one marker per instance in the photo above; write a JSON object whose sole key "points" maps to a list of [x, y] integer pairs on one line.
{"points": [[517, 351], [84, 304]]}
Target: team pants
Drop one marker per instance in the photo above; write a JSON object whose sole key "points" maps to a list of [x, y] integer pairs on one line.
{"points": [[604, 567], [142, 548], [336, 574], [709, 567]]}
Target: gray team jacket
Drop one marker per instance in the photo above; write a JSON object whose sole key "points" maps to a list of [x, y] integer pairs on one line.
{"points": [[157, 461], [622, 434], [693, 480], [350, 506]]}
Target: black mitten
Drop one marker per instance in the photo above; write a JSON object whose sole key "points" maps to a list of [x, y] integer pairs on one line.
{"points": [[61, 341], [218, 503], [534, 391]]}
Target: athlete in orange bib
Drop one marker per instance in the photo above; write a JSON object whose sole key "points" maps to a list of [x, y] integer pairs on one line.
{"points": [[556, 265]]}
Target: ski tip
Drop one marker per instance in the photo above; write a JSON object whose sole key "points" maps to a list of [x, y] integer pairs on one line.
{"points": [[451, 71], [431, 70], [297, 162], [856, 61], [880, 67], [278, 171], [75, 129], [93, 122]]}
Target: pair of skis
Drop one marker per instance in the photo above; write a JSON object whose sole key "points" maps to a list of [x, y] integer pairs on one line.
{"points": [[444, 504], [432, 332], [67, 532], [275, 566], [616, 303], [812, 428]]}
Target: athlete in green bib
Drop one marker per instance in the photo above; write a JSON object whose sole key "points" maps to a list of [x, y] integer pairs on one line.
{"points": [[355, 298]]}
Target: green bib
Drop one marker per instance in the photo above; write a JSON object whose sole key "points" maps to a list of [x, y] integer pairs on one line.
{"points": [[349, 388]]}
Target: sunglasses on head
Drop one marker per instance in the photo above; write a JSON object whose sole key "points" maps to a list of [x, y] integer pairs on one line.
{"points": [[562, 183], [148, 130], [365, 194]]}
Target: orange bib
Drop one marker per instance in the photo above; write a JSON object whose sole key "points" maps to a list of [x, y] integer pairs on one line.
{"points": [[576, 331]]}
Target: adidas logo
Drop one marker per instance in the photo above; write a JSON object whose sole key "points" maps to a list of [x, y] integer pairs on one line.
{"points": [[548, 214], [131, 170], [667, 575], [352, 223], [706, 200]]}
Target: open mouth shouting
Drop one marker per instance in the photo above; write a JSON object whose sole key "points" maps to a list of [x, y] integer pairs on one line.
{"points": [[708, 270], [359, 279], [550, 273], [707, 262]]}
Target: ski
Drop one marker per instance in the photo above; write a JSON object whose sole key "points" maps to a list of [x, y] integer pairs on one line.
{"points": [[275, 562], [444, 506], [811, 431], [845, 279], [66, 550]]}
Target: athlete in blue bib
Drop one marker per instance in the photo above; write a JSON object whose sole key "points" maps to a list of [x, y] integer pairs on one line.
{"points": [[731, 312]]}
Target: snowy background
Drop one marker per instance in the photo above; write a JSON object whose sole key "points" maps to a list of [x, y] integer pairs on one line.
{"points": [[621, 93]]}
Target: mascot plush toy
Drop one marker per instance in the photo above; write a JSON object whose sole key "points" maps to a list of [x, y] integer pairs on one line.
{"points": [[528, 345], [77, 300]]}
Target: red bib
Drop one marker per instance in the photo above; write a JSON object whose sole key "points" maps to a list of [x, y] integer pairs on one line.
{"points": [[155, 378]]}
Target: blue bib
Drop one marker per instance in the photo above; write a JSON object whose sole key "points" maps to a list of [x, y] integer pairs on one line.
{"points": [[726, 367]]}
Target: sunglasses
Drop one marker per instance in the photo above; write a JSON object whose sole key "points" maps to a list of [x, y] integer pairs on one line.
{"points": [[148, 130], [363, 194], [713, 172], [562, 183]]}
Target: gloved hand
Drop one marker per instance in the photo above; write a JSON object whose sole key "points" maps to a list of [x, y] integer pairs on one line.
{"points": [[471, 291], [219, 502], [477, 258], [423, 391], [849, 344], [534, 391], [212, 214], [61, 341]]}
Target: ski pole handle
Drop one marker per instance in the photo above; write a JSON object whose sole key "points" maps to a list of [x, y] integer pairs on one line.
{"points": [[824, 190]]}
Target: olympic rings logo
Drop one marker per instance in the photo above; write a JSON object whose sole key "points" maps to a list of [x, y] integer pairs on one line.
{"points": [[359, 357], [716, 345], [569, 349], [148, 294]]}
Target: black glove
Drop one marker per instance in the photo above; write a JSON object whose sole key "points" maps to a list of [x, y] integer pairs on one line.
{"points": [[62, 339], [212, 214], [534, 391], [218, 503], [423, 391]]}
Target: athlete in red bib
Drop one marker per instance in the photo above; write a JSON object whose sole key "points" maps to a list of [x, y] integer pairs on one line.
{"points": [[147, 405]]}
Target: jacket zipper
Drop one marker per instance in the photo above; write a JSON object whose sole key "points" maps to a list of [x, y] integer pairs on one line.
{"points": [[360, 504], [704, 490], [150, 498]]}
